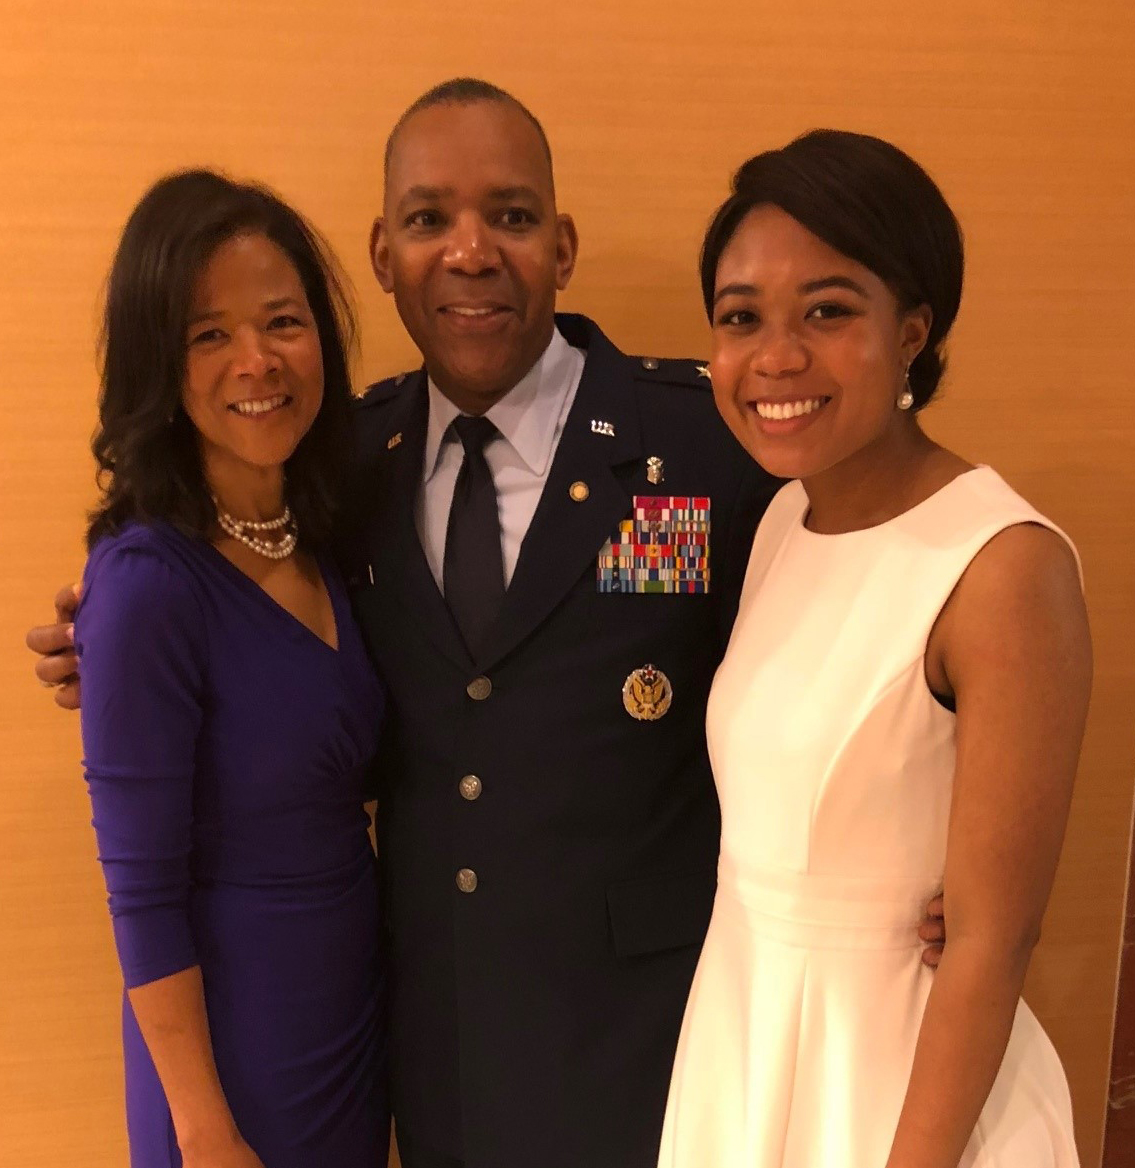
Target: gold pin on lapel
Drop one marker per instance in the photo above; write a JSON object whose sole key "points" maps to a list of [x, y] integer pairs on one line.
{"points": [[579, 491], [395, 440], [647, 694], [604, 428], [654, 470]]}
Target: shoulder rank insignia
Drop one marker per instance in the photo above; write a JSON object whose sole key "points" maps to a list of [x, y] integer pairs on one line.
{"points": [[647, 694]]}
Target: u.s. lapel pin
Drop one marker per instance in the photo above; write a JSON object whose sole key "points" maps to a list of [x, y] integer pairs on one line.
{"points": [[604, 428], [702, 371], [654, 470], [647, 694], [395, 440]]}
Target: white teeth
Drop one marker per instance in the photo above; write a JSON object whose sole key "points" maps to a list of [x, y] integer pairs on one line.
{"points": [[462, 311], [255, 406], [780, 411]]}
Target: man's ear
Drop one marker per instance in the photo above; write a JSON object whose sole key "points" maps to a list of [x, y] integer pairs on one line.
{"points": [[380, 254], [567, 248]]}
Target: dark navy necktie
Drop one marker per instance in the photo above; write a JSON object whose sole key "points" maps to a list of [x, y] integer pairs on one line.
{"points": [[473, 571]]}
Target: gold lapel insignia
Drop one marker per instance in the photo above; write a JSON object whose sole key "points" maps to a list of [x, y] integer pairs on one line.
{"points": [[703, 371], [395, 440], [647, 694], [604, 428], [579, 491], [654, 470]]}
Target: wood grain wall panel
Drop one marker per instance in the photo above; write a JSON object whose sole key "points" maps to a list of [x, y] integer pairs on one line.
{"points": [[1023, 111]]}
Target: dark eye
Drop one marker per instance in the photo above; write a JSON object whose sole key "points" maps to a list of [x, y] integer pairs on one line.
{"points": [[829, 310], [517, 217], [425, 220], [207, 337], [736, 318], [285, 320]]}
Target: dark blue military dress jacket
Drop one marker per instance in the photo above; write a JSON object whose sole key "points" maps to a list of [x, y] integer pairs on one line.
{"points": [[549, 852]]}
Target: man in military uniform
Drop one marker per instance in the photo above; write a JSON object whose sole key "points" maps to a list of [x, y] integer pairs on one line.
{"points": [[549, 542], [550, 842]]}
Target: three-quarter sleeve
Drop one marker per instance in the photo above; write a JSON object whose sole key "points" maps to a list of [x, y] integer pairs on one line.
{"points": [[139, 634]]}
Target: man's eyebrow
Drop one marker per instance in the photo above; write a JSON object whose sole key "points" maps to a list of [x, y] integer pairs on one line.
{"points": [[520, 191], [420, 193]]}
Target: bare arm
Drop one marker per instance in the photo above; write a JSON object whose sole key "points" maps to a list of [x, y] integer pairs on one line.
{"points": [[1013, 646], [171, 1016]]}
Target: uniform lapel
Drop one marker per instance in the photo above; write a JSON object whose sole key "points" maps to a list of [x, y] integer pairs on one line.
{"points": [[567, 533], [399, 562]]}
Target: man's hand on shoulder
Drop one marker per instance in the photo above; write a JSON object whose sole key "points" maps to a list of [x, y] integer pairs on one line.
{"points": [[58, 666], [932, 932]]}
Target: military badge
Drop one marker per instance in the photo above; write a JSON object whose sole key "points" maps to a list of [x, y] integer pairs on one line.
{"points": [[664, 547], [647, 694]]}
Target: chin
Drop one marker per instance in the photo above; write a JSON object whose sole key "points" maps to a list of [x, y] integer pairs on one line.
{"points": [[479, 379], [779, 458]]}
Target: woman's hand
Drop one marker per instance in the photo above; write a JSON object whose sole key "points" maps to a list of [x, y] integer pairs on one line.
{"points": [[228, 1151]]}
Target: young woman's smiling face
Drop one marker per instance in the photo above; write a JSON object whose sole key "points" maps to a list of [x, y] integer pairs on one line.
{"points": [[810, 348]]}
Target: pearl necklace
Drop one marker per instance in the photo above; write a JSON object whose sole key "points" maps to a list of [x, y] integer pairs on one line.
{"points": [[243, 530]]}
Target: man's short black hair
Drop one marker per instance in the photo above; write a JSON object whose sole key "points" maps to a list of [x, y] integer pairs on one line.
{"points": [[463, 91]]}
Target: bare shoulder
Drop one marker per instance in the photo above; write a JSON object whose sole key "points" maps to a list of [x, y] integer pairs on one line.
{"points": [[1024, 568], [1018, 606]]}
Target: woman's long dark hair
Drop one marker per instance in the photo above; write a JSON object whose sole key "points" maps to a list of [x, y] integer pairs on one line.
{"points": [[145, 445]]}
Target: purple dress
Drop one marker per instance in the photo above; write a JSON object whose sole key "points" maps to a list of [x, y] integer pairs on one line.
{"points": [[225, 748]]}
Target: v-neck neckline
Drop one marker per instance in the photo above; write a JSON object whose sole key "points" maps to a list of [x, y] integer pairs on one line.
{"points": [[249, 584]]}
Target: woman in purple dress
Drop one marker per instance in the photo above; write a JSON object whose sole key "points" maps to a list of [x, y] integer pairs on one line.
{"points": [[229, 709]]}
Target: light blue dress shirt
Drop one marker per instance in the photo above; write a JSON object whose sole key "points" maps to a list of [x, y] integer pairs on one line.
{"points": [[530, 419]]}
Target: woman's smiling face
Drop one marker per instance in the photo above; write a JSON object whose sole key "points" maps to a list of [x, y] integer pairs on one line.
{"points": [[810, 348], [254, 367]]}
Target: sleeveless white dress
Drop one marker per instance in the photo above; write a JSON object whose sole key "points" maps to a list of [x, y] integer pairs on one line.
{"points": [[834, 765]]}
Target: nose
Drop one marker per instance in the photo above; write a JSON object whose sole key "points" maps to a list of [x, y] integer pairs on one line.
{"points": [[779, 352], [470, 249], [252, 355]]}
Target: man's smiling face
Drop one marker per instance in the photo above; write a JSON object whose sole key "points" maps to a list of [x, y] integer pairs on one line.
{"points": [[471, 246]]}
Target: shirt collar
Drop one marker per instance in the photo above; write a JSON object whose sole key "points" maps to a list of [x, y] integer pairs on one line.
{"points": [[526, 416]]}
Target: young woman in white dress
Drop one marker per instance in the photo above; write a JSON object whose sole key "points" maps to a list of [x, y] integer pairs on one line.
{"points": [[901, 708]]}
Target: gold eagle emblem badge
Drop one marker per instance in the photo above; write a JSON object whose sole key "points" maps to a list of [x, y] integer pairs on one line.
{"points": [[647, 694]]}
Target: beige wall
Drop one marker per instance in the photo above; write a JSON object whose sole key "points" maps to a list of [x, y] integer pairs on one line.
{"points": [[1023, 111]]}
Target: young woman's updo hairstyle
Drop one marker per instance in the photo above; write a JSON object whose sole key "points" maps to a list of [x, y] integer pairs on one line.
{"points": [[876, 205]]}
